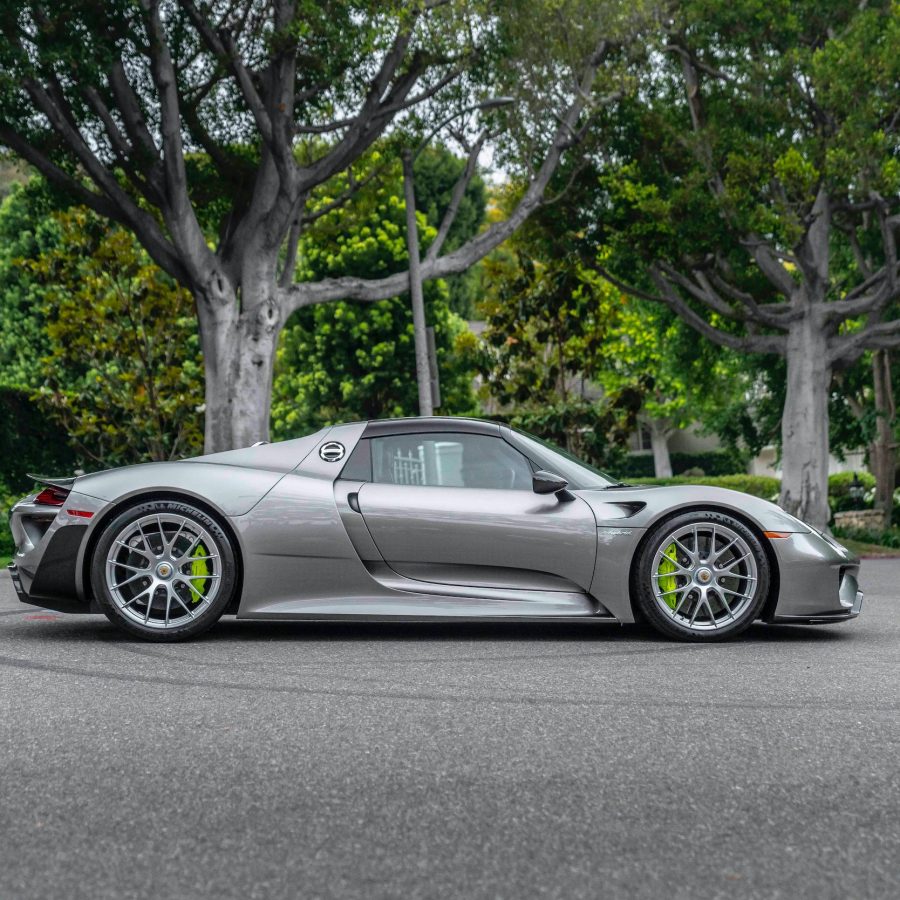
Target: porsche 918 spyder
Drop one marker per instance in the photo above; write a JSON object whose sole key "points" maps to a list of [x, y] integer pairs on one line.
{"points": [[418, 519]]}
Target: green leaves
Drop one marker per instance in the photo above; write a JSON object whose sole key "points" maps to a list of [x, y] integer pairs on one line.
{"points": [[122, 373]]}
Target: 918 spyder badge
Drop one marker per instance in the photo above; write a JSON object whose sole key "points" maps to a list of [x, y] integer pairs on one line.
{"points": [[332, 451]]}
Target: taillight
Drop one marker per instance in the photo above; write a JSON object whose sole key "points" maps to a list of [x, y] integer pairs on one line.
{"points": [[51, 496]]}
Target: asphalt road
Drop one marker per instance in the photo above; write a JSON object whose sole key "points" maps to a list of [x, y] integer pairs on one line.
{"points": [[450, 760]]}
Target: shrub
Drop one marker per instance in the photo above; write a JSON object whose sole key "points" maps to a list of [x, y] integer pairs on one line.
{"points": [[7, 499], [890, 537], [712, 462], [758, 485], [29, 442], [839, 498]]}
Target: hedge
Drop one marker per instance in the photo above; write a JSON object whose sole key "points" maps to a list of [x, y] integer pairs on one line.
{"points": [[712, 462], [29, 442], [758, 485], [890, 537]]}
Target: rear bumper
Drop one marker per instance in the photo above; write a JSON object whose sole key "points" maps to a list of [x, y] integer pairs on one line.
{"points": [[48, 543], [66, 604], [13, 570]]}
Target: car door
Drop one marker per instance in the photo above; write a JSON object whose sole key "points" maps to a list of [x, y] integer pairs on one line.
{"points": [[459, 509]]}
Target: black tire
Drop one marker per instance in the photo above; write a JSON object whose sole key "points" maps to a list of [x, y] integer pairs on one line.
{"points": [[707, 627], [212, 609]]}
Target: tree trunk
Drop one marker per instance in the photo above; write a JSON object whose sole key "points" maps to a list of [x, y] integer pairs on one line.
{"points": [[659, 442], [883, 449], [804, 426], [239, 354], [423, 369]]}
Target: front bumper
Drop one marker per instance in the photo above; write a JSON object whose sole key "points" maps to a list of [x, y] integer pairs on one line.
{"points": [[826, 619], [818, 581]]}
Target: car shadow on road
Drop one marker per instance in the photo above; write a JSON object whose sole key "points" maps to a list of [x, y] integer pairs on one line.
{"points": [[65, 628]]}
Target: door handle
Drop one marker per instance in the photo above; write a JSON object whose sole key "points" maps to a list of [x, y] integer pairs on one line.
{"points": [[353, 500]]}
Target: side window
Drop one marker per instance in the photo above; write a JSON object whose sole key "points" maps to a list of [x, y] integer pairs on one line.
{"points": [[359, 466], [449, 460]]}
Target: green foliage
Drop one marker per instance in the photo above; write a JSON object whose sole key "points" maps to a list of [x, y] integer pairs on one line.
{"points": [[889, 537], [546, 323], [27, 230], [344, 361], [559, 336], [29, 441], [7, 499], [712, 462], [839, 483], [123, 373], [758, 485]]}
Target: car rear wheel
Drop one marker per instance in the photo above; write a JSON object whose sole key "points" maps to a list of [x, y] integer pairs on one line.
{"points": [[164, 570], [701, 576]]}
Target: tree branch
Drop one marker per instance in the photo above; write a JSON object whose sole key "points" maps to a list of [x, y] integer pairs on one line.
{"points": [[459, 190], [308, 293], [848, 348], [177, 208]]}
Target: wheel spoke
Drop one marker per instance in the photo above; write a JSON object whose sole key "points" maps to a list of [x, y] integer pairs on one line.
{"points": [[185, 608], [170, 531], [725, 590], [683, 547], [673, 561], [131, 568], [733, 563], [185, 557], [137, 550], [694, 587], [132, 600], [724, 602], [128, 580], [680, 603], [171, 545], [728, 546]]}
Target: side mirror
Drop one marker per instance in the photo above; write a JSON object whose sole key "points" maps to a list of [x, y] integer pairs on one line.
{"points": [[543, 482]]}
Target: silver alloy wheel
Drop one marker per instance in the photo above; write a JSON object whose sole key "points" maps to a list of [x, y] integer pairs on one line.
{"points": [[163, 570], [704, 576]]}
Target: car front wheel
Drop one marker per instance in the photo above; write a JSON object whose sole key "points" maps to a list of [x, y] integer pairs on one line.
{"points": [[164, 570], [701, 576]]}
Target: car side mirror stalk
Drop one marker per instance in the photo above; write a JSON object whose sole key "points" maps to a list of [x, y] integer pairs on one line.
{"points": [[543, 482]]}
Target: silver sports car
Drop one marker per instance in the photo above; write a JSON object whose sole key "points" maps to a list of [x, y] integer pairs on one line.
{"points": [[424, 518]]}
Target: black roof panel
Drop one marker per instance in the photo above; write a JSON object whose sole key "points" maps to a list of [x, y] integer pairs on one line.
{"points": [[429, 425]]}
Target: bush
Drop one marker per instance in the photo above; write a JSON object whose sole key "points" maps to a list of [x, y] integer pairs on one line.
{"points": [[29, 442], [890, 537], [712, 462], [839, 498], [7, 547], [758, 485]]}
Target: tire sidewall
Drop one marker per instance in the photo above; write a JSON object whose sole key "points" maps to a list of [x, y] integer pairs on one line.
{"points": [[642, 590], [210, 615]]}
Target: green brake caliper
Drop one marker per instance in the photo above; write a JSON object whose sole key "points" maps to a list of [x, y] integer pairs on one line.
{"points": [[666, 568], [199, 571]]}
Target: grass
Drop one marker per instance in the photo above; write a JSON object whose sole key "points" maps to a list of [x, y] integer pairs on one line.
{"points": [[4, 561]]}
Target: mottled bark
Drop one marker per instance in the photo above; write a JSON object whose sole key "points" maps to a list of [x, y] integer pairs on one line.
{"points": [[659, 442], [804, 425], [883, 448]]}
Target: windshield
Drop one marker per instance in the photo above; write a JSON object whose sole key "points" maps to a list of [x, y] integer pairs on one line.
{"points": [[548, 456]]}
